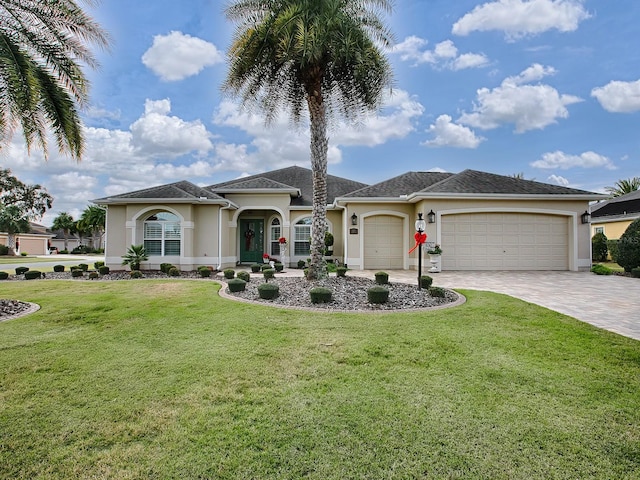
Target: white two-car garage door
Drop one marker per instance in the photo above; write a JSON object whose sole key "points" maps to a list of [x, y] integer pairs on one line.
{"points": [[383, 244], [505, 241]]}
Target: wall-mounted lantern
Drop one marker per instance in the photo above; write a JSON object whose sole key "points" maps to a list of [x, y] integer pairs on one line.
{"points": [[431, 217], [585, 217], [354, 219]]}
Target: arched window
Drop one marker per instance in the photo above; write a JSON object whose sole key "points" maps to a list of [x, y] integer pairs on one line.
{"points": [[162, 234], [302, 236], [275, 232]]}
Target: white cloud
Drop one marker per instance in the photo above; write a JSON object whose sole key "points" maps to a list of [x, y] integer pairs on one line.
{"points": [[444, 55], [528, 107], [519, 18], [566, 161], [558, 180], [449, 134], [177, 56], [158, 134], [619, 97]]}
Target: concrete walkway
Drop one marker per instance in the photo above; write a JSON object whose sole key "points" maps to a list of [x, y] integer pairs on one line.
{"points": [[609, 302]]}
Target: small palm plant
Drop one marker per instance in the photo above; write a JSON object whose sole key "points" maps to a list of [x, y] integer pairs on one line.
{"points": [[136, 254]]}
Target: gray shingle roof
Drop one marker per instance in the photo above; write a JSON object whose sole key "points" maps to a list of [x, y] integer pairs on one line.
{"points": [[300, 178], [182, 190], [618, 206], [404, 184], [257, 183]]}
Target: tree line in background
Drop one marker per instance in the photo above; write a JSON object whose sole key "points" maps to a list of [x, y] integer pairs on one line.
{"points": [[91, 224]]}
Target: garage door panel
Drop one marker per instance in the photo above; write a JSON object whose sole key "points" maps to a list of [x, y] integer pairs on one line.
{"points": [[505, 241], [383, 242]]}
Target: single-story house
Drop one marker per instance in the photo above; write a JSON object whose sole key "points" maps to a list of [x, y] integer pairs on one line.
{"points": [[482, 221], [73, 240], [36, 242], [613, 216]]}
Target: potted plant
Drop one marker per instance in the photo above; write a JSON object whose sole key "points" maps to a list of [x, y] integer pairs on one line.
{"points": [[435, 254], [265, 258]]}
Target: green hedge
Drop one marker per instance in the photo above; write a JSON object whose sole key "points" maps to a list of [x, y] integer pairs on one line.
{"points": [[32, 274], [255, 268], [382, 278], [341, 271], [229, 273], [320, 295], [21, 270], [236, 285], [104, 270], [378, 294], [437, 292], [4, 275], [425, 281], [244, 276], [58, 268], [268, 291]]}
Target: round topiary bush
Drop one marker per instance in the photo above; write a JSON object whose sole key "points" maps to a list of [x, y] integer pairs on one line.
{"points": [[382, 278], [32, 275], [601, 269], [629, 247], [268, 273], [236, 285], [104, 270], [437, 292], [229, 273], [320, 295], [268, 291], [76, 272], [164, 267], [301, 263], [266, 266], [58, 268], [341, 271], [599, 248], [4, 275], [93, 275], [83, 266], [378, 294], [173, 272], [98, 264], [255, 268], [279, 267], [425, 281], [244, 276], [204, 272], [21, 270], [135, 274]]}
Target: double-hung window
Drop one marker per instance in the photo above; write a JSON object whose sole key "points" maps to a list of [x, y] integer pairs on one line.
{"points": [[302, 237], [162, 234], [274, 235]]}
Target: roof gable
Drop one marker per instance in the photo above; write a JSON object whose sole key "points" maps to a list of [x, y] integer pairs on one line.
{"points": [[404, 184], [182, 190], [623, 205]]}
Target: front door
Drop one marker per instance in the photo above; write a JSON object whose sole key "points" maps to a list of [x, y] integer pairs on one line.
{"points": [[251, 240]]}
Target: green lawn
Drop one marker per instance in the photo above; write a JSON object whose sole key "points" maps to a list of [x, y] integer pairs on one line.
{"points": [[164, 379]]}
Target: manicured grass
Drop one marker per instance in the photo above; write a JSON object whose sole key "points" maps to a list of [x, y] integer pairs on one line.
{"points": [[612, 265], [163, 379], [20, 259]]}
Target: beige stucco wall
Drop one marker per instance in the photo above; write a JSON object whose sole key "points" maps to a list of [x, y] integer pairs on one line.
{"points": [[32, 244], [612, 230]]}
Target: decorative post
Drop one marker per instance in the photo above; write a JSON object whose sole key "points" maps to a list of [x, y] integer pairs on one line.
{"points": [[421, 237]]}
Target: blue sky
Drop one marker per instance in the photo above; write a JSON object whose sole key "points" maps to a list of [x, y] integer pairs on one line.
{"points": [[547, 88]]}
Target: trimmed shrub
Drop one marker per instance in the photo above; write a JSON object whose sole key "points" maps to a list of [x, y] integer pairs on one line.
{"points": [[425, 281], [21, 270], [629, 247], [268, 291], [164, 267], [173, 272], [83, 266], [76, 272], [24, 254], [4, 250], [612, 246], [135, 274], [305, 272], [265, 266], [75, 267], [229, 273], [64, 251], [4, 275], [204, 272], [97, 265], [437, 292], [104, 270], [301, 264], [256, 267], [244, 276], [599, 247], [378, 294], [268, 273], [601, 269], [341, 271], [58, 268], [93, 275], [320, 295], [279, 267], [32, 274], [382, 278], [635, 272], [236, 285]]}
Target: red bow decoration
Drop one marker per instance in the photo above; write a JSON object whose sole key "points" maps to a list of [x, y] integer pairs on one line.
{"points": [[420, 239]]}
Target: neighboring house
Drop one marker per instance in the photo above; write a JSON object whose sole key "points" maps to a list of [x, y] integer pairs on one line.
{"points": [[613, 216], [36, 242], [482, 221], [58, 240]]}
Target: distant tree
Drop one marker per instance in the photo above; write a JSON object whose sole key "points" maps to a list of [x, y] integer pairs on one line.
{"points": [[624, 186], [64, 222], [323, 57], [629, 247], [93, 219], [42, 52], [20, 204]]}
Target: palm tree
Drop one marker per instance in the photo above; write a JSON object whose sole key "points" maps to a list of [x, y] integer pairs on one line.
{"points": [[42, 50], [13, 221], [136, 254], [64, 222], [624, 186], [325, 54], [93, 219]]}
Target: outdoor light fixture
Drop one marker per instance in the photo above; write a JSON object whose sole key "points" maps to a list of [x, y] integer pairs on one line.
{"points": [[586, 217], [354, 219], [431, 217], [420, 226]]}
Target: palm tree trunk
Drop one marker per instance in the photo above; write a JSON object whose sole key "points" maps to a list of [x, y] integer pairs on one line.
{"points": [[319, 147]]}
